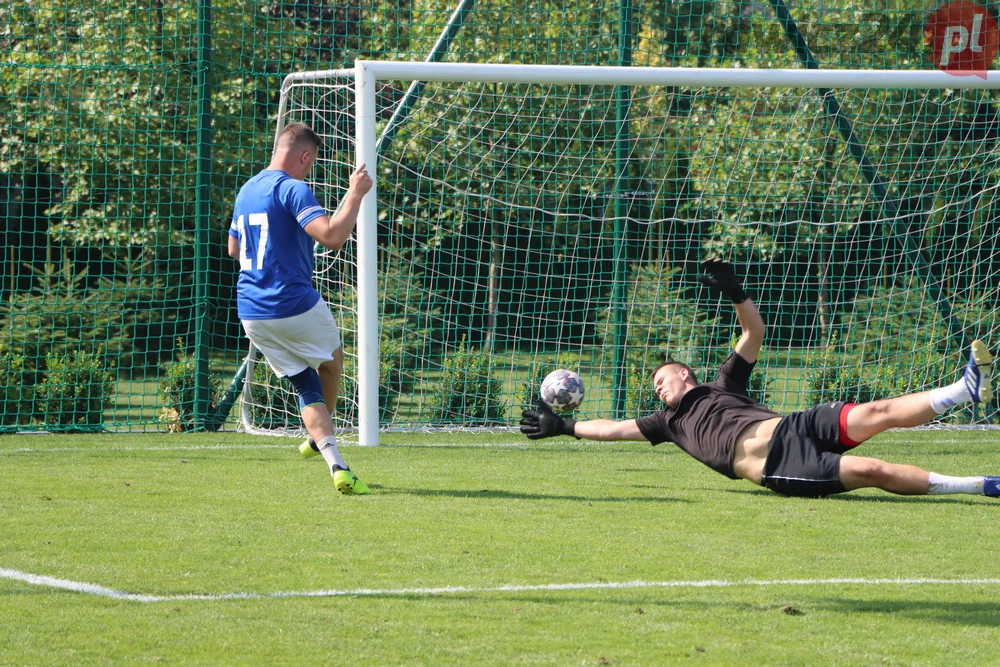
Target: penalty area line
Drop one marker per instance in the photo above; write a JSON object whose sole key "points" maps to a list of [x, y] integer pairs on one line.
{"points": [[102, 591]]}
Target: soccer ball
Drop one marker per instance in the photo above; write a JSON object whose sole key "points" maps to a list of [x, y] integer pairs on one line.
{"points": [[562, 390]]}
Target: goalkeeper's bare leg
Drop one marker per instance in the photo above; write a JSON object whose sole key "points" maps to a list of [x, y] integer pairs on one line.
{"points": [[869, 419]]}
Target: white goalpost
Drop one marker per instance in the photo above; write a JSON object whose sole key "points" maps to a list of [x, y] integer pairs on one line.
{"points": [[531, 215]]}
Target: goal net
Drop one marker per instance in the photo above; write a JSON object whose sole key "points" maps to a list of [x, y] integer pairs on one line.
{"points": [[529, 218]]}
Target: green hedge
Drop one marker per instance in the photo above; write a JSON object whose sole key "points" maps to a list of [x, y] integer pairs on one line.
{"points": [[17, 391], [177, 390], [467, 392], [77, 388]]}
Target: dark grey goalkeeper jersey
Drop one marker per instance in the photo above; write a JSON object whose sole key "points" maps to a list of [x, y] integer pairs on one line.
{"points": [[710, 417]]}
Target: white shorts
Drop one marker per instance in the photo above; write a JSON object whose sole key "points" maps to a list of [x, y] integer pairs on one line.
{"points": [[292, 344]]}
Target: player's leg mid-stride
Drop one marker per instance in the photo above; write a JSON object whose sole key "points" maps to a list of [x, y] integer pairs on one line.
{"points": [[321, 439], [319, 424], [345, 480]]}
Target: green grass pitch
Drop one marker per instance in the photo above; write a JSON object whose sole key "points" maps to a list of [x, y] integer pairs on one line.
{"points": [[457, 557]]}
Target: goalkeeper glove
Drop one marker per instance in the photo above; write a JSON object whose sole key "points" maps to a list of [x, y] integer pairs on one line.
{"points": [[546, 424], [721, 275]]}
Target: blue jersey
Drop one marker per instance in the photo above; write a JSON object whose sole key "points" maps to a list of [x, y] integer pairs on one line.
{"points": [[276, 253]]}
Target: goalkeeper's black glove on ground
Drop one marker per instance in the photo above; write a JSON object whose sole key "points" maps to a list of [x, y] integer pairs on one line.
{"points": [[721, 275], [544, 423]]}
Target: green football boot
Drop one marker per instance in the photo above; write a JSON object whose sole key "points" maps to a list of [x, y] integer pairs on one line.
{"points": [[308, 449], [348, 483]]}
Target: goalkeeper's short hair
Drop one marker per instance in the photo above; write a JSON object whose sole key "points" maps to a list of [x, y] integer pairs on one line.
{"points": [[671, 362]]}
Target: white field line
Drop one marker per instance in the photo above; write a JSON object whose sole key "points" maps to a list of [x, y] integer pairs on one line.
{"points": [[101, 591]]}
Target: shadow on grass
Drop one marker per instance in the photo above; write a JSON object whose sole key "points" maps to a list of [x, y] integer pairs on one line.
{"points": [[491, 494], [960, 613], [850, 497], [795, 604]]}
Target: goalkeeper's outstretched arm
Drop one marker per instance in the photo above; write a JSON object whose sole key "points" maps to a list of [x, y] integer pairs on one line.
{"points": [[609, 429], [544, 423]]}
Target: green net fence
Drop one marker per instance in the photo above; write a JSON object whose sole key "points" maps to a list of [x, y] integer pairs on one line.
{"points": [[130, 129]]}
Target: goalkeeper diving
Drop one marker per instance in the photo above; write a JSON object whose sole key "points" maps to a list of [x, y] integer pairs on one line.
{"points": [[808, 453]]}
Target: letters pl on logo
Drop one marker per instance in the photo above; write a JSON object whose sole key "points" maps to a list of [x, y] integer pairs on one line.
{"points": [[964, 37]]}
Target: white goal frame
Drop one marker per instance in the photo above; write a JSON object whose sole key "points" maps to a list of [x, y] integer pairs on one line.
{"points": [[367, 73]]}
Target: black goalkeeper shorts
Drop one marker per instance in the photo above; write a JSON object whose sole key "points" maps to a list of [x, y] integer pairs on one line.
{"points": [[804, 457]]}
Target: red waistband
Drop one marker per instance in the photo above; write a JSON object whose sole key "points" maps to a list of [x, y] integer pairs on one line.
{"points": [[842, 431]]}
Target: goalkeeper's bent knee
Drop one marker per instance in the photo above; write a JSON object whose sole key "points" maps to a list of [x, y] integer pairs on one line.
{"points": [[308, 386]]}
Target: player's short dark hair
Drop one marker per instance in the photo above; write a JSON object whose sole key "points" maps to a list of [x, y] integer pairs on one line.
{"points": [[296, 134], [672, 362]]}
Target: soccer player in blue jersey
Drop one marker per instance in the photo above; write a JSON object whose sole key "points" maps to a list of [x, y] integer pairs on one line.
{"points": [[276, 222], [808, 453]]}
